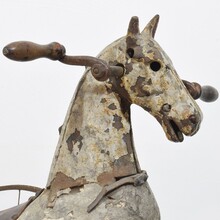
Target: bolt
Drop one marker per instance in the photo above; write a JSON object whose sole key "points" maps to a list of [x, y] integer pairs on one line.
{"points": [[166, 107], [193, 119]]}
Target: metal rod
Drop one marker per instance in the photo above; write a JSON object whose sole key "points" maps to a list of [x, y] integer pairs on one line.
{"points": [[20, 187], [19, 196]]}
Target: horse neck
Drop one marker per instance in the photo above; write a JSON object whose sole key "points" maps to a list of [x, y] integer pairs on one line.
{"points": [[96, 138]]}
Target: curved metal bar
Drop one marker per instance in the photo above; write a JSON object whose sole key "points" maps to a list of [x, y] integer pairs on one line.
{"points": [[100, 69], [82, 60], [33, 189]]}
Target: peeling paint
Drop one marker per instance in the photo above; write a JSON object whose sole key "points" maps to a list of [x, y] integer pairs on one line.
{"points": [[117, 122], [112, 106], [73, 139], [61, 182], [103, 100], [124, 166]]}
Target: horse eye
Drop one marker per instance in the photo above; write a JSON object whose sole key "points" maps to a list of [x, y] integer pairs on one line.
{"points": [[155, 66], [130, 52]]}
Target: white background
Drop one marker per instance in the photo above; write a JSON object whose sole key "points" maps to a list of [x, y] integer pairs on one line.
{"points": [[34, 96]]}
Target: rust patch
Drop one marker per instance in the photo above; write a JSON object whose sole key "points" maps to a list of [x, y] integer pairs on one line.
{"points": [[124, 166], [138, 53], [117, 87], [191, 121], [106, 178], [117, 122], [128, 68], [131, 42], [103, 100], [125, 108], [62, 181], [157, 55], [138, 87], [128, 141], [112, 106], [139, 81], [73, 139]]}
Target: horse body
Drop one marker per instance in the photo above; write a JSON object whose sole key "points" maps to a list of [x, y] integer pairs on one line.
{"points": [[96, 147]]}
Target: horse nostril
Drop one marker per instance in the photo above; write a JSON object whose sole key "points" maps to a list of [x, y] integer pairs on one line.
{"points": [[193, 119]]}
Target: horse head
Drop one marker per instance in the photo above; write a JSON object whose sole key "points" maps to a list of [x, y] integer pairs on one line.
{"points": [[149, 78], [151, 81]]}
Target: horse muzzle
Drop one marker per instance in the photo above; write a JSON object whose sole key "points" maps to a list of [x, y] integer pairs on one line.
{"points": [[175, 129]]}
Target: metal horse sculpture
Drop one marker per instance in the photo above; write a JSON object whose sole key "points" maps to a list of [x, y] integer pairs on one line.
{"points": [[95, 172]]}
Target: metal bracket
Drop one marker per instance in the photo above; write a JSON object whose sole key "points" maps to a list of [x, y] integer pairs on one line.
{"points": [[136, 180]]}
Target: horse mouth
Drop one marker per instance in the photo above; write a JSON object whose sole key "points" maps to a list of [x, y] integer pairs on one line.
{"points": [[175, 133], [172, 130], [176, 129]]}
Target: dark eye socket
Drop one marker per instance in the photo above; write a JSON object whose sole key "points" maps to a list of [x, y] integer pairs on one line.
{"points": [[130, 52], [155, 66]]}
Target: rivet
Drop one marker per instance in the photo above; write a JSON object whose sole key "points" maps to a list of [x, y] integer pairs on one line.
{"points": [[166, 107]]}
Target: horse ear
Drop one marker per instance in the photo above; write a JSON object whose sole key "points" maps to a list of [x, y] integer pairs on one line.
{"points": [[133, 28], [150, 29]]}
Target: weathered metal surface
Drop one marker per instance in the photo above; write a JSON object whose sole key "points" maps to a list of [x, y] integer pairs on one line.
{"points": [[95, 151], [126, 203], [14, 212], [137, 180]]}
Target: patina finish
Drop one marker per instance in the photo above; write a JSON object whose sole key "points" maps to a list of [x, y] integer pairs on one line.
{"points": [[95, 173]]}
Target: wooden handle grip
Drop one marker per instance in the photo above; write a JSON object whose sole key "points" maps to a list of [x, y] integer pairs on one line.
{"points": [[205, 93], [27, 51], [209, 94]]}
